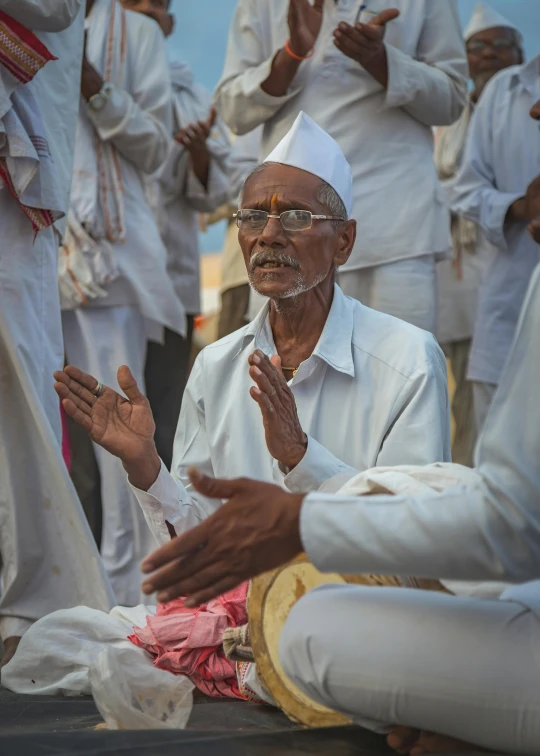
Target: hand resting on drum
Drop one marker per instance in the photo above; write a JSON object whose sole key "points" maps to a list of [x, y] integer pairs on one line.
{"points": [[257, 530]]}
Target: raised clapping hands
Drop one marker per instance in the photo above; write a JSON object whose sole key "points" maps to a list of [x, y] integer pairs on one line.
{"points": [[194, 138], [285, 439], [123, 426], [258, 529], [364, 43]]}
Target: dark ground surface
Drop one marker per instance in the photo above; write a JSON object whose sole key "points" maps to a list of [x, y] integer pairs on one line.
{"points": [[50, 726]]}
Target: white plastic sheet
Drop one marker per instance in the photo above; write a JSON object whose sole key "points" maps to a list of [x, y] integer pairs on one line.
{"points": [[138, 696]]}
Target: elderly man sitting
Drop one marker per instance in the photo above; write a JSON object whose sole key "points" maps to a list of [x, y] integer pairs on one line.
{"points": [[340, 388]]}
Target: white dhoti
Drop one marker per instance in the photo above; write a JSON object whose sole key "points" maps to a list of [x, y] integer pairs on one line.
{"points": [[49, 558], [456, 666], [406, 289], [99, 340]]}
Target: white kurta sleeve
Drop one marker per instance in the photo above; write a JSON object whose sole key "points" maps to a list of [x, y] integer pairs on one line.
{"points": [[241, 102], [433, 86], [139, 122], [474, 192], [486, 531], [172, 498], [43, 15]]}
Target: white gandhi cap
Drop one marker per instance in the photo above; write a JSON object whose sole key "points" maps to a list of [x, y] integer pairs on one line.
{"points": [[485, 17], [311, 149]]}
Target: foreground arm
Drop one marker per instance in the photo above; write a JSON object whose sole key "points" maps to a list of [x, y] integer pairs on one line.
{"points": [[43, 15]]}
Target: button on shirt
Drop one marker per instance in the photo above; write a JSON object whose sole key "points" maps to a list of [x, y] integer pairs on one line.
{"points": [[385, 133], [374, 392], [501, 159]]}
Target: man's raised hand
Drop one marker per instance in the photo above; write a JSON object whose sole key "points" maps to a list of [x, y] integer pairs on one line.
{"points": [[305, 21], [123, 426], [285, 439]]}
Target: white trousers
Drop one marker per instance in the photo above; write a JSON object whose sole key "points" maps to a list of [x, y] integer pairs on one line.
{"points": [[406, 289], [99, 340], [483, 394], [461, 667], [49, 557]]}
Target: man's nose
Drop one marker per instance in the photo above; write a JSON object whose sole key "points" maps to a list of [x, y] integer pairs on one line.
{"points": [[273, 234], [489, 52], [535, 111]]}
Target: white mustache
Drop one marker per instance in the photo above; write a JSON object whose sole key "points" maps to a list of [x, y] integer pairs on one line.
{"points": [[260, 258]]}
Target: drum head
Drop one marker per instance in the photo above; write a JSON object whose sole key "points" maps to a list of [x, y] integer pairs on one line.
{"points": [[270, 599]]}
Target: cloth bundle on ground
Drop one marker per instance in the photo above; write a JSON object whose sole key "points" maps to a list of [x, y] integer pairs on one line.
{"points": [[190, 641]]}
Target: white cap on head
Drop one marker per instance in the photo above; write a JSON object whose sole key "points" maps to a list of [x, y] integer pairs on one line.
{"points": [[311, 149], [485, 17]]}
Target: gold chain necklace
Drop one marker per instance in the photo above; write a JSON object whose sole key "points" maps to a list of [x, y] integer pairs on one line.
{"points": [[290, 370]]}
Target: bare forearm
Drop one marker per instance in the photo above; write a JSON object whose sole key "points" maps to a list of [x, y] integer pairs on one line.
{"points": [[377, 67], [282, 73]]}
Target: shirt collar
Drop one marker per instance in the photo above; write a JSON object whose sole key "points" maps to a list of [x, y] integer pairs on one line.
{"points": [[334, 345], [528, 75]]}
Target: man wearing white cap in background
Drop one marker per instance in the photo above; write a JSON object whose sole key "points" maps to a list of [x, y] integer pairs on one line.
{"points": [[493, 43], [498, 187], [377, 76], [317, 386]]}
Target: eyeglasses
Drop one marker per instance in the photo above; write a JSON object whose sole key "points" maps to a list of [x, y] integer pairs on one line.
{"points": [[291, 220], [499, 45]]}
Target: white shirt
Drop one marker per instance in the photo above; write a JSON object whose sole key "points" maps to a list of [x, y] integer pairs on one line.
{"points": [[181, 196], [374, 392], [385, 134], [484, 531], [501, 159], [137, 119]]}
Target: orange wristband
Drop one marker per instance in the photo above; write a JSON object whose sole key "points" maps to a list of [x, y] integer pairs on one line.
{"points": [[293, 55]]}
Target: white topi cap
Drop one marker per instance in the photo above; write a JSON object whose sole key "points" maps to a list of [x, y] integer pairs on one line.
{"points": [[485, 17], [311, 149]]}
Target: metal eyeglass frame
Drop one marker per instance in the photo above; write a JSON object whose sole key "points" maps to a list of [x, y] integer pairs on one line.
{"points": [[279, 217]]}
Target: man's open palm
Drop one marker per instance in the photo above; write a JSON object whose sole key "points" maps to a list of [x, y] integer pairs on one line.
{"points": [[305, 21], [123, 426]]}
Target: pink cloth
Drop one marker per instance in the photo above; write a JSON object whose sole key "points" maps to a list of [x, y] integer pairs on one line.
{"points": [[189, 641]]}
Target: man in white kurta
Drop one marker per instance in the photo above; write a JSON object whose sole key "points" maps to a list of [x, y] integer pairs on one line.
{"points": [[501, 161], [383, 128], [49, 557], [372, 392], [493, 43], [124, 127]]}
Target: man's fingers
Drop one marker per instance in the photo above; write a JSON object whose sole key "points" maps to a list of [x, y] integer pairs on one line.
{"points": [[263, 382], [75, 413], [318, 4], [265, 403], [128, 384], [64, 393], [276, 362], [211, 573], [177, 548], [212, 116], [86, 380], [384, 17], [75, 387], [214, 488]]}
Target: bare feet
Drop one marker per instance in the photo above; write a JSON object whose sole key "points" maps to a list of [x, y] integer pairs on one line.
{"points": [[10, 646], [411, 742]]}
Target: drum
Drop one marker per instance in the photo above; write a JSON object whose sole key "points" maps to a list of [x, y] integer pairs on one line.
{"points": [[270, 599]]}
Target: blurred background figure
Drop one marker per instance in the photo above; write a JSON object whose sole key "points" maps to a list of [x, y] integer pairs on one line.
{"points": [[377, 80], [113, 276], [235, 289], [49, 560], [193, 179], [498, 187], [493, 43]]}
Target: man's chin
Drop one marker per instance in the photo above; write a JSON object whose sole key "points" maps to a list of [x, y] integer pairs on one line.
{"points": [[274, 285]]}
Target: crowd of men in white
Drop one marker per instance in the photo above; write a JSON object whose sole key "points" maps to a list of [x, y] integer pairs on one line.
{"points": [[389, 214]]}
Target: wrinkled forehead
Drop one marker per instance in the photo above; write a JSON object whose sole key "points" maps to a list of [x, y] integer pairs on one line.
{"points": [[276, 186]]}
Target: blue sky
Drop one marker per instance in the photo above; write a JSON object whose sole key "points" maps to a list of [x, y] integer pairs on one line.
{"points": [[200, 38]]}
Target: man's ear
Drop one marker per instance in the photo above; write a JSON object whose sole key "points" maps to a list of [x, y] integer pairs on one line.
{"points": [[347, 237], [169, 24]]}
